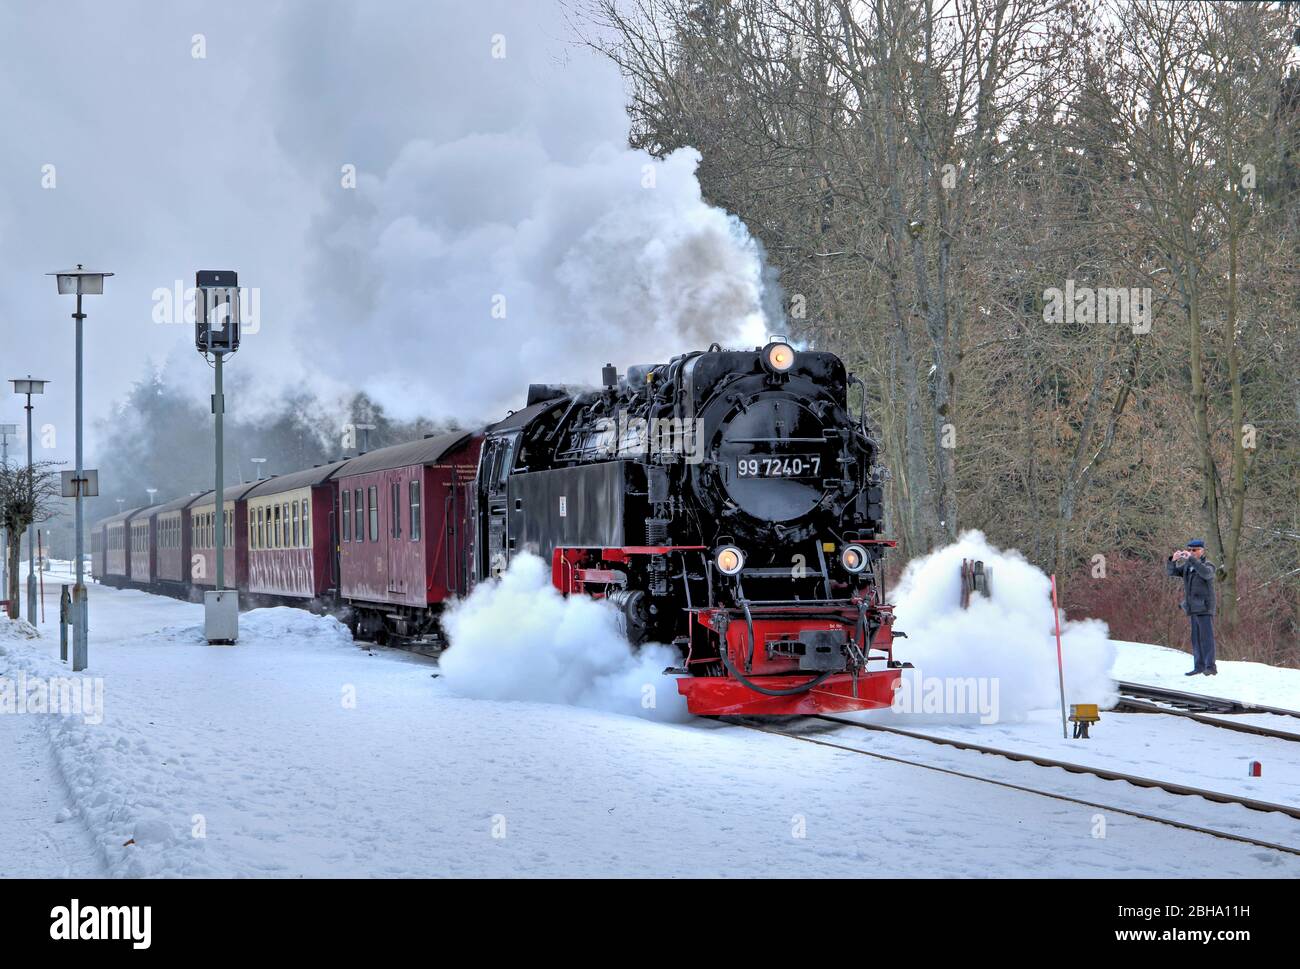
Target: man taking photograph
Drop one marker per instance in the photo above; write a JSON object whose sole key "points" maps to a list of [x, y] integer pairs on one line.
{"points": [[1198, 602]]}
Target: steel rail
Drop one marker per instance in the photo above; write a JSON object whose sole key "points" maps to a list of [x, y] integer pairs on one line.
{"points": [[1183, 825], [1109, 775]]}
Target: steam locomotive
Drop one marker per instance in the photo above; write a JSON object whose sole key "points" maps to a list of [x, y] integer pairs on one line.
{"points": [[725, 502]]}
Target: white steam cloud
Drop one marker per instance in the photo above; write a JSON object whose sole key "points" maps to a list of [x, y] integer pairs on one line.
{"points": [[501, 231], [517, 638], [1008, 638]]}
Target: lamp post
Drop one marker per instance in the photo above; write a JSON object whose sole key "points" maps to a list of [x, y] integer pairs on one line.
{"points": [[152, 492], [6, 431], [28, 387], [79, 282], [258, 462], [120, 503], [216, 332]]}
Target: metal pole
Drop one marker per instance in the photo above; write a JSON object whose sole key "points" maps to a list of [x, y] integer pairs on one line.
{"points": [[1060, 665], [80, 611], [4, 535], [31, 527], [64, 603], [219, 405]]}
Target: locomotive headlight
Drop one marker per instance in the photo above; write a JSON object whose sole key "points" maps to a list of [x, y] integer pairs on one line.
{"points": [[779, 356], [853, 558], [730, 560]]}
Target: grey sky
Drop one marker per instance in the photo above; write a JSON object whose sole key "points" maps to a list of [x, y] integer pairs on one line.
{"points": [[479, 177]]}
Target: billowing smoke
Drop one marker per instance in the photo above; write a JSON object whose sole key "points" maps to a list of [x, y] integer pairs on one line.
{"points": [[1005, 643], [517, 638], [434, 199], [501, 231]]}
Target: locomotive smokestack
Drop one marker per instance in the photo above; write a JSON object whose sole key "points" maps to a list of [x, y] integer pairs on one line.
{"points": [[609, 375]]}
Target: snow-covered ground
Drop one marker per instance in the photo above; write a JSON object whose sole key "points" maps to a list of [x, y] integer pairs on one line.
{"points": [[299, 753], [1251, 682]]}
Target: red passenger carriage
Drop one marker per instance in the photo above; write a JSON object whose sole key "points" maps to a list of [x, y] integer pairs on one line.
{"points": [[405, 531], [290, 526], [117, 548], [203, 540]]}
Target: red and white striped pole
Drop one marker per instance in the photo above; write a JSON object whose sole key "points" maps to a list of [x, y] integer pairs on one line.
{"points": [[1060, 666]]}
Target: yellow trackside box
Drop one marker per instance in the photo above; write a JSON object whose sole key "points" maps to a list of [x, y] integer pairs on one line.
{"points": [[1084, 713]]}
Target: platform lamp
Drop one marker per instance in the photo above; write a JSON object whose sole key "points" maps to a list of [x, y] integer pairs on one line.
{"points": [[27, 387], [6, 431], [258, 462], [216, 332], [80, 483], [151, 492]]}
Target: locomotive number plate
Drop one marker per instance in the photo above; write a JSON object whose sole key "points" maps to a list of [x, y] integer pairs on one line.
{"points": [[780, 466]]}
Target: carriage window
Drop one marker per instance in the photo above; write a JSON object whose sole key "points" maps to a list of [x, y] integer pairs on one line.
{"points": [[293, 536], [415, 510], [395, 508], [358, 523], [275, 543], [306, 529], [347, 515], [372, 509]]}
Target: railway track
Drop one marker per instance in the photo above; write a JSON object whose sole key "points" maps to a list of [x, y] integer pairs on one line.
{"points": [[1198, 702], [1171, 787], [1210, 710]]}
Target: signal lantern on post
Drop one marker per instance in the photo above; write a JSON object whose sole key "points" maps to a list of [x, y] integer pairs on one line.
{"points": [[216, 311]]}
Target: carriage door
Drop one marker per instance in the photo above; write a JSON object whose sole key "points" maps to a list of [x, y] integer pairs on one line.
{"points": [[393, 532]]}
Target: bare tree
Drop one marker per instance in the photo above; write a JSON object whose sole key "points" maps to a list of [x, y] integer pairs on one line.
{"points": [[28, 496]]}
